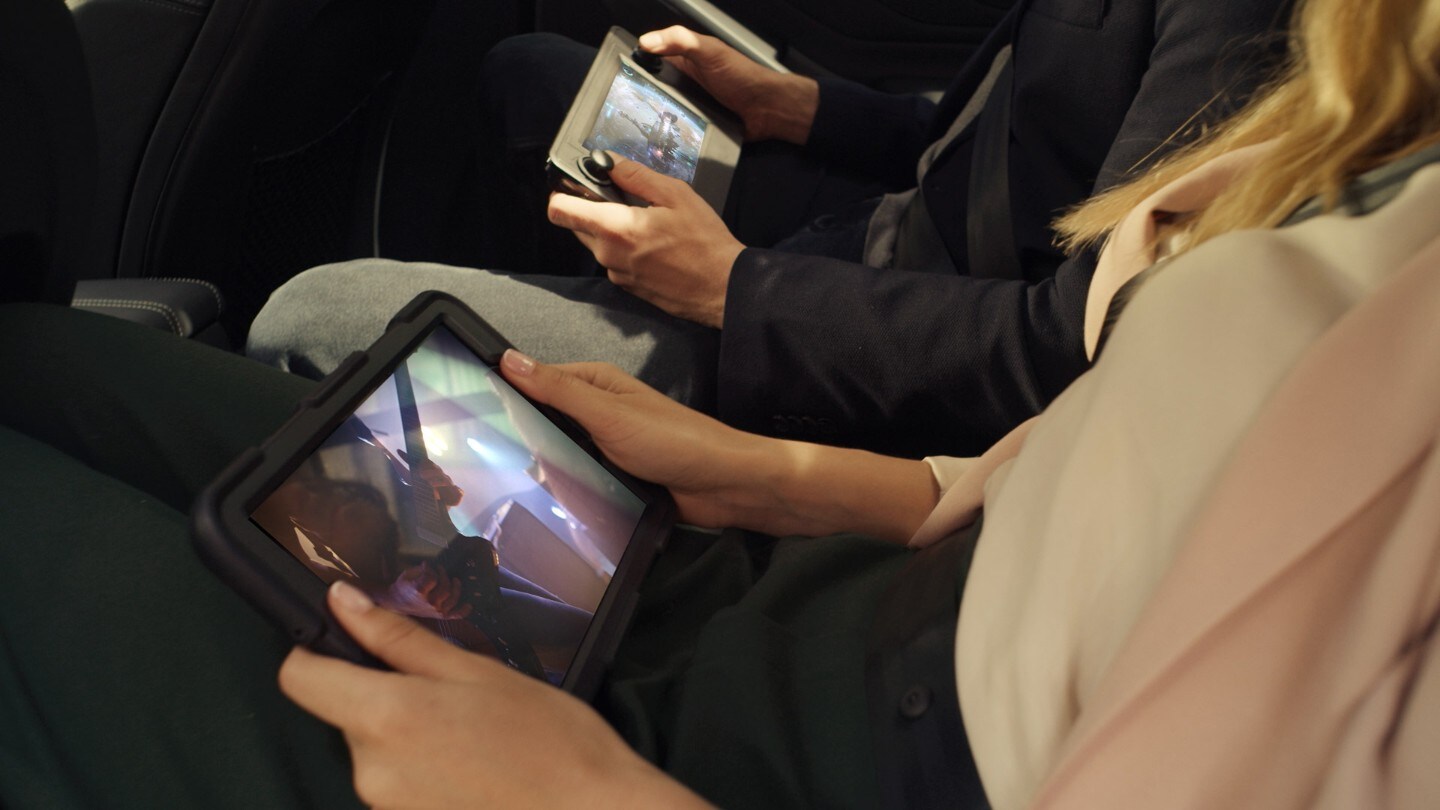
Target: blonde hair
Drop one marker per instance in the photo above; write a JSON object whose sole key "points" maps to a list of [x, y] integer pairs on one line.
{"points": [[1361, 87]]}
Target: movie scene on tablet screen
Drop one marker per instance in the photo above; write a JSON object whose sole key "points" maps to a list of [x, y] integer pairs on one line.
{"points": [[448, 497], [641, 122]]}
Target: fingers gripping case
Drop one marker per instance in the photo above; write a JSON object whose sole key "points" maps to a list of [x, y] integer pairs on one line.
{"points": [[416, 473]]}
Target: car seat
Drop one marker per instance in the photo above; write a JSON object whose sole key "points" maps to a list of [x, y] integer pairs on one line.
{"points": [[48, 140], [244, 138]]}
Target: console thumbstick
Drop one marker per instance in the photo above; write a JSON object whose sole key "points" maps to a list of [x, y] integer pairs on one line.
{"points": [[598, 165], [650, 62]]}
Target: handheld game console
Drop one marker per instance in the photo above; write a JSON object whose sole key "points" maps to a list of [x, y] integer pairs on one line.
{"points": [[637, 105]]}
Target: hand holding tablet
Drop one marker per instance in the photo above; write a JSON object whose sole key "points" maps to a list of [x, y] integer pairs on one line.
{"points": [[418, 475]]}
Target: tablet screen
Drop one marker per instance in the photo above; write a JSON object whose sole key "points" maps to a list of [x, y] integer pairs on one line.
{"points": [[448, 497], [643, 123]]}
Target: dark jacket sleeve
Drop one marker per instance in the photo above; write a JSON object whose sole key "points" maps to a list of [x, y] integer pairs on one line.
{"points": [[907, 364], [922, 364], [880, 133]]}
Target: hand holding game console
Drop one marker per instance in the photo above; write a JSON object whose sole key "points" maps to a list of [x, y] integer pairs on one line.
{"points": [[451, 728], [676, 253], [639, 106], [772, 105]]}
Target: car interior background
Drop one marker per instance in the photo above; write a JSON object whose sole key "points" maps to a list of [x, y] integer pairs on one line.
{"points": [[189, 156]]}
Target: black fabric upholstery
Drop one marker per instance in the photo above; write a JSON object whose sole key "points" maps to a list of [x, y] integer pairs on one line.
{"points": [[47, 139], [134, 51], [263, 155]]}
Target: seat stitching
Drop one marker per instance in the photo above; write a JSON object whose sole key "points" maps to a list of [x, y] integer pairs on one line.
{"points": [[119, 303], [214, 291]]}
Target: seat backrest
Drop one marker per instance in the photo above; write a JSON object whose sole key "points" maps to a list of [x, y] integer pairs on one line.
{"points": [[264, 156], [47, 153], [135, 51]]}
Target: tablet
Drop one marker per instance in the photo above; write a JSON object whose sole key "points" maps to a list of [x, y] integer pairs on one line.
{"points": [[661, 119], [416, 473]]}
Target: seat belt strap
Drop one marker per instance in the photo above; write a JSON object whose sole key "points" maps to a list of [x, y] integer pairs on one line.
{"points": [[989, 230]]}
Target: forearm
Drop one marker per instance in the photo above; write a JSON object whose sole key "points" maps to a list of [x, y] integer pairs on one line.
{"points": [[722, 476], [798, 488]]}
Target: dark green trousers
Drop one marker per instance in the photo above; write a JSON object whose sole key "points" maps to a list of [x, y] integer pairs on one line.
{"points": [[131, 677]]}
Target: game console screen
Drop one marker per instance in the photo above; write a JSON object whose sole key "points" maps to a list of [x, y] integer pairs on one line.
{"points": [[641, 122], [448, 497]]}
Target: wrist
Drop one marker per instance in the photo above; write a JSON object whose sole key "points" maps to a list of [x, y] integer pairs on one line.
{"points": [[741, 490], [790, 110], [648, 786], [627, 782], [819, 489], [790, 496], [726, 256], [784, 487]]}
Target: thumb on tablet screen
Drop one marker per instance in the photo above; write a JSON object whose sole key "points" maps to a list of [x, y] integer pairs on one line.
{"points": [[398, 641]]}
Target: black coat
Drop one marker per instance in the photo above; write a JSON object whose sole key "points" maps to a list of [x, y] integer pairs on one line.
{"points": [[922, 363]]}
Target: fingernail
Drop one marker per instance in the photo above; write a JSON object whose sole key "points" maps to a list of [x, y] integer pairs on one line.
{"points": [[650, 41], [519, 363], [350, 597]]}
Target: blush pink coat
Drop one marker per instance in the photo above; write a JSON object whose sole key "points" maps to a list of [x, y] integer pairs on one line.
{"points": [[1285, 656]]}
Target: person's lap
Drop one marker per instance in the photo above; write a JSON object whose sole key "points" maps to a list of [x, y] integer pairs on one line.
{"points": [[743, 673], [132, 677], [318, 318], [153, 411], [129, 676]]}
